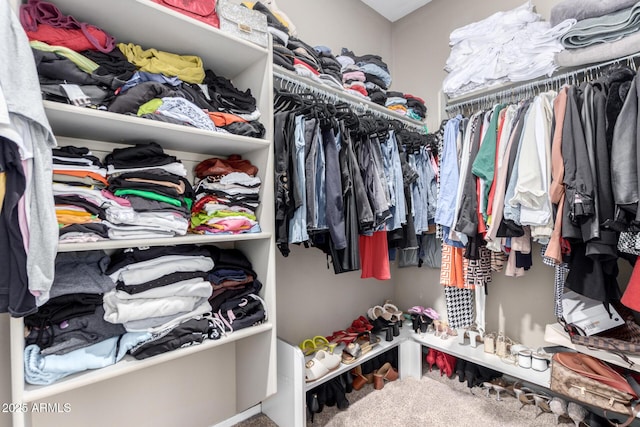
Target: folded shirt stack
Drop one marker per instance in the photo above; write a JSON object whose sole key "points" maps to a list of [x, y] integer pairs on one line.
{"points": [[375, 69], [507, 46], [158, 288], [396, 102], [227, 196], [416, 107], [76, 169], [153, 185], [71, 321]]}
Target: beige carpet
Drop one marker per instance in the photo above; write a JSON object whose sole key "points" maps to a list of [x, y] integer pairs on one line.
{"points": [[430, 401]]}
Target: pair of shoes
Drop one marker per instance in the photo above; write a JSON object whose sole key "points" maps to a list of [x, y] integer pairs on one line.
{"points": [[523, 394], [500, 385], [322, 363], [446, 363], [563, 410], [386, 372], [359, 380], [359, 325], [361, 346], [443, 330], [542, 403], [477, 375], [310, 346], [342, 337]]}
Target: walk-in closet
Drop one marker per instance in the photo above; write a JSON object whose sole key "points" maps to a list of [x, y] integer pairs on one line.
{"points": [[295, 213]]}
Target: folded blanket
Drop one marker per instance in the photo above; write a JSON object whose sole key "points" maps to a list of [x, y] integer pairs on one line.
{"points": [[608, 28], [583, 9], [599, 52]]}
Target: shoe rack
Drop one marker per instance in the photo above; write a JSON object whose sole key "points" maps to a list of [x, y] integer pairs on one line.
{"points": [[287, 408], [477, 355]]}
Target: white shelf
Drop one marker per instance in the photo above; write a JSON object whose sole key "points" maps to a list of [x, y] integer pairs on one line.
{"points": [[478, 356], [164, 241], [129, 364], [151, 25], [555, 333], [87, 123], [378, 349]]}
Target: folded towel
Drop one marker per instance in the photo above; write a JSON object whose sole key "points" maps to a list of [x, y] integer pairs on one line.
{"points": [[599, 52], [583, 9], [608, 28]]}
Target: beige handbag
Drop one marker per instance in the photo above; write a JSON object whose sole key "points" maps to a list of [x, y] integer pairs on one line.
{"points": [[586, 379]]}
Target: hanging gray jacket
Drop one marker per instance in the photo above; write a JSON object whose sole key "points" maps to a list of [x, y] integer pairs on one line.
{"points": [[624, 154]]}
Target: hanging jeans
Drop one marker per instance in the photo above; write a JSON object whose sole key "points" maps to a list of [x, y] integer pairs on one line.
{"points": [[393, 172], [298, 224]]}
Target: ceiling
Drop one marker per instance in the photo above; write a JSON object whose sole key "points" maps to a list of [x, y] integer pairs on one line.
{"points": [[395, 9]]}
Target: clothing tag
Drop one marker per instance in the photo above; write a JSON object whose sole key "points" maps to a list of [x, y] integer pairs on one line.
{"points": [[205, 91], [587, 314], [76, 95], [4, 110]]}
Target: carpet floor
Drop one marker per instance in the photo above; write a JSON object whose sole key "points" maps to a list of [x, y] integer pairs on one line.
{"points": [[429, 401]]}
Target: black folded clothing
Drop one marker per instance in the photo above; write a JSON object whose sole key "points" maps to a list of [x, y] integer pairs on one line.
{"points": [[124, 257], [365, 59], [395, 94], [63, 308], [191, 332], [93, 228], [378, 97], [376, 80], [113, 65], [226, 97], [81, 202], [272, 21], [252, 129], [53, 68], [131, 100], [140, 155], [72, 152]]}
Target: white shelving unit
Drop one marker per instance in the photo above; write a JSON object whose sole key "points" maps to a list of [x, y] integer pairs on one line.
{"points": [[211, 382], [479, 357], [288, 407]]}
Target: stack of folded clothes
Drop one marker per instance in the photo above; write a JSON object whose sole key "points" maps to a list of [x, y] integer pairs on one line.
{"points": [[149, 83], [158, 287], [227, 196], [235, 301], [374, 68], [331, 73], [416, 108], [396, 102], [152, 185], [604, 30], [377, 95], [76, 170], [68, 333], [514, 45]]}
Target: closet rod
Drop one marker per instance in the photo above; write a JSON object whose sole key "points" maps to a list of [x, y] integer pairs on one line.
{"points": [[296, 85], [512, 94]]}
